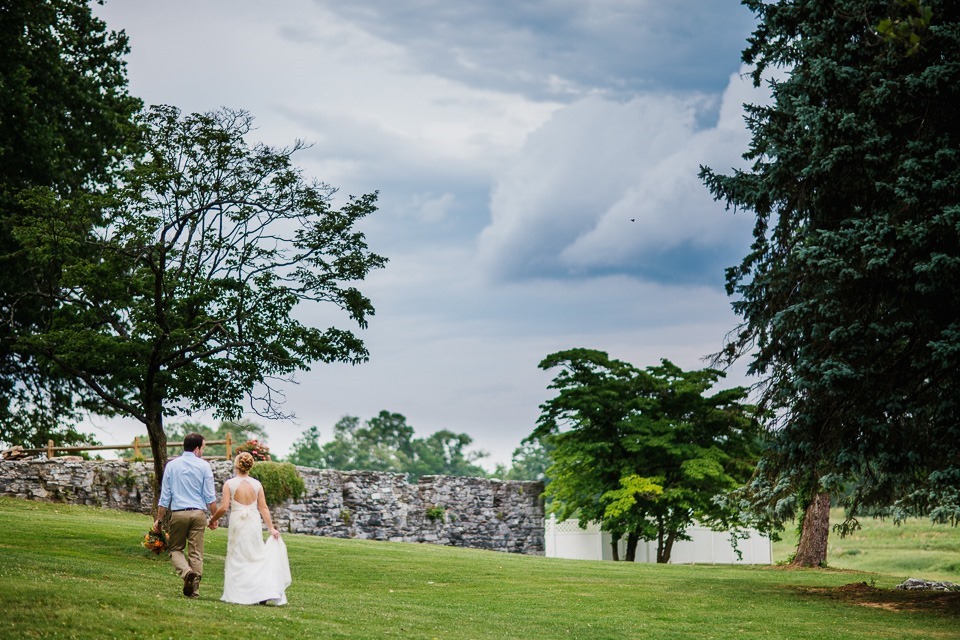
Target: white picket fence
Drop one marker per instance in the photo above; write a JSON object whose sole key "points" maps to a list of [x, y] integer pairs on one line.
{"points": [[565, 539]]}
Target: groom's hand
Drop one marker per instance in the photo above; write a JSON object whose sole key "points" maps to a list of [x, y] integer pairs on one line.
{"points": [[212, 524]]}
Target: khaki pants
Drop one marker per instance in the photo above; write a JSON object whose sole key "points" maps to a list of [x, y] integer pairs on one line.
{"points": [[186, 529]]}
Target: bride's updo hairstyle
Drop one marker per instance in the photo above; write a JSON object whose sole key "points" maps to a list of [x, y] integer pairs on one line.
{"points": [[243, 462]]}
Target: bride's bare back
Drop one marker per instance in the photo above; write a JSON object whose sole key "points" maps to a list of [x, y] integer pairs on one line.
{"points": [[245, 494]]}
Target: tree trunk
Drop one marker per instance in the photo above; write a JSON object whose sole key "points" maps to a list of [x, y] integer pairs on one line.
{"points": [[812, 547], [665, 547], [158, 443], [632, 539], [615, 547]]}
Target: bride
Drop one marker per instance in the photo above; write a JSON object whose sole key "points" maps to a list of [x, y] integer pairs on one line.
{"points": [[255, 572]]}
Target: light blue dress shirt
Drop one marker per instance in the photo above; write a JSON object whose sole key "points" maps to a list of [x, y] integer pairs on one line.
{"points": [[187, 483]]}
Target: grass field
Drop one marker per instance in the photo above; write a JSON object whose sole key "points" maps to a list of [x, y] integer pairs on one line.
{"points": [[77, 572], [915, 549]]}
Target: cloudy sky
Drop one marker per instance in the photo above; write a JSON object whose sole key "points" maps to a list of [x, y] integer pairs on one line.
{"points": [[536, 162]]}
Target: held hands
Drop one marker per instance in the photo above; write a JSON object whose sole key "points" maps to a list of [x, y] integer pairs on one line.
{"points": [[212, 524]]}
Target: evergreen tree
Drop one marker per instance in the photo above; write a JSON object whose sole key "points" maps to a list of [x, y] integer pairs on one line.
{"points": [[65, 114], [850, 294]]}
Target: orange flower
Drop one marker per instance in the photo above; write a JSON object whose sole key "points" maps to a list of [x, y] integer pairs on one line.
{"points": [[155, 541]]}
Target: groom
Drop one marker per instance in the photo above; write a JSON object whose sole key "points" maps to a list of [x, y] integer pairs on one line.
{"points": [[187, 490]]}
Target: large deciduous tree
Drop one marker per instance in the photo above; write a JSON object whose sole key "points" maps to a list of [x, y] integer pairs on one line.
{"points": [[65, 114], [850, 294], [529, 461], [176, 290], [645, 452], [446, 453], [386, 443], [382, 443]]}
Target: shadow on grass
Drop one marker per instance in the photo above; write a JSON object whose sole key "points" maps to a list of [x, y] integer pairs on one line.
{"points": [[943, 603]]}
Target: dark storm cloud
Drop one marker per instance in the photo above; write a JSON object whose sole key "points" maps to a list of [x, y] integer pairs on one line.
{"points": [[560, 50]]}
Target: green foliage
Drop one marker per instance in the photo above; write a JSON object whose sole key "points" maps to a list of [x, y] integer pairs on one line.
{"points": [[33, 425], [280, 480], [644, 451], [128, 480], [437, 512], [240, 431], [177, 288], [529, 461], [386, 443], [907, 30], [65, 107], [307, 451], [445, 453], [621, 502], [64, 116], [383, 443], [90, 563], [850, 294]]}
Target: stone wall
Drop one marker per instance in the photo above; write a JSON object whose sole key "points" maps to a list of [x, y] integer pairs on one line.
{"points": [[463, 512]]}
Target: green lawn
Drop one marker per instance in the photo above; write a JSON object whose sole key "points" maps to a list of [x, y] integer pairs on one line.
{"points": [[915, 549], [77, 572]]}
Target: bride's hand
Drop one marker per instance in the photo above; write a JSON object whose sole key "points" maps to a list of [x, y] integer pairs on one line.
{"points": [[275, 534]]}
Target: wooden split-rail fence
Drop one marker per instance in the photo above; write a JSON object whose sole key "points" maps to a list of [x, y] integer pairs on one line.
{"points": [[51, 449]]}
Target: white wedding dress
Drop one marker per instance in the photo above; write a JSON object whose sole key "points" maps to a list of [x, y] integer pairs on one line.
{"points": [[255, 571]]}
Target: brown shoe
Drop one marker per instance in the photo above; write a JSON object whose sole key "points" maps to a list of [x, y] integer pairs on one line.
{"points": [[191, 584]]}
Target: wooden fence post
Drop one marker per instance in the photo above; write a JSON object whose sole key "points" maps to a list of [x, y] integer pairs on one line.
{"points": [[137, 447]]}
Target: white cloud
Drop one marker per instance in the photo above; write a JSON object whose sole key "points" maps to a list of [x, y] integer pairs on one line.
{"points": [[431, 208], [305, 72], [612, 186]]}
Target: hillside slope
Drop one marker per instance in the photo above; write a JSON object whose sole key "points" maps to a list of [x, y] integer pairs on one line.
{"points": [[78, 572]]}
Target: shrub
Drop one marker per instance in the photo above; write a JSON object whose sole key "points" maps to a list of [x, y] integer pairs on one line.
{"points": [[280, 481], [437, 512]]}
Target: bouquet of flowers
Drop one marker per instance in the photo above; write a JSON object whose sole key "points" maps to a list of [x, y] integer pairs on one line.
{"points": [[259, 450], [155, 540]]}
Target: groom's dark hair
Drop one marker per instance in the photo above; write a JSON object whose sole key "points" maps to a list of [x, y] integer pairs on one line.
{"points": [[192, 442]]}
